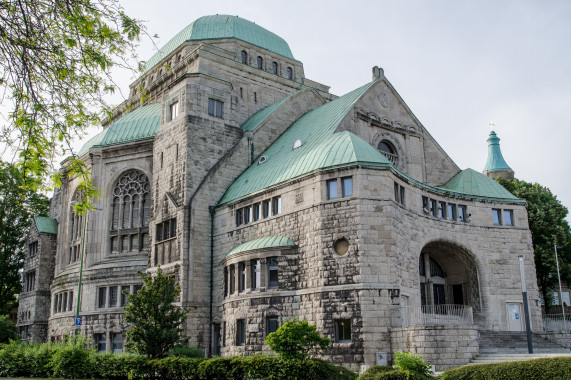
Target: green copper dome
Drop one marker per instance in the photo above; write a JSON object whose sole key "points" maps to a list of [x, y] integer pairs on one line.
{"points": [[495, 161], [223, 26]]}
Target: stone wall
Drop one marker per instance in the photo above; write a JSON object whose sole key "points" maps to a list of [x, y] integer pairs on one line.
{"points": [[442, 346]]}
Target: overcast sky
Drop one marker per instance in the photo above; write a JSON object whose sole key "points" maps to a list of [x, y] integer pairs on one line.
{"points": [[457, 64]]}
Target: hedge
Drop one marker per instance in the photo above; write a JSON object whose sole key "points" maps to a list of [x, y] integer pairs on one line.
{"points": [[536, 369], [73, 360], [388, 373]]}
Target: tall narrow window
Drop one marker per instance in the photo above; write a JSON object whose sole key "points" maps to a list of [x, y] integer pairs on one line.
{"points": [[272, 324], [232, 279], [225, 281], [451, 211], [289, 73], [255, 270], [260, 63], [117, 343], [347, 186], [100, 342], [276, 205], [131, 207], [433, 208], [112, 296], [257, 210], [102, 297], [240, 332], [241, 277], [239, 217], [273, 273], [275, 68], [442, 210], [266, 208], [332, 192], [508, 218], [396, 190], [173, 111], [425, 208], [497, 216], [244, 57], [75, 228], [462, 213]]}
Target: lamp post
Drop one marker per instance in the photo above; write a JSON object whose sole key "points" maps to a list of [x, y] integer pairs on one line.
{"points": [[78, 306], [560, 288], [525, 306]]}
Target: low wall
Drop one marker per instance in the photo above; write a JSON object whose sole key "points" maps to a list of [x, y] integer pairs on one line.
{"points": [[442, 346], [562, 339]]}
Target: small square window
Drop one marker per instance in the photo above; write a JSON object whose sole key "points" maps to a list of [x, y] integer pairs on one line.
{"points": [[508, 217], [332, 192], [343, 330], [215, 108], [272, 325], [173, 110], [240, 332], [497, 216], [347, 186]]}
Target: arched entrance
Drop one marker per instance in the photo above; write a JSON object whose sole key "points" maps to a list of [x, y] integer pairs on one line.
{"points": [[448, 276]]}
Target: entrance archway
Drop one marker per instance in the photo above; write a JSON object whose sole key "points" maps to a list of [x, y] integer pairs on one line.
{"points": [[448, 275]]}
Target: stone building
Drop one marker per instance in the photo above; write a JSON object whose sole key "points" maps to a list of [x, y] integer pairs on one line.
{"points": [[268, 198]]}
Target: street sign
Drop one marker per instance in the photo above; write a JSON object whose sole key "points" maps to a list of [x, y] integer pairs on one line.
{"points": [[78, 321]]}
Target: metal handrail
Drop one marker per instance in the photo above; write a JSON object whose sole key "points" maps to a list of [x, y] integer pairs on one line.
{"points": [[434, 315], [557, 323]]}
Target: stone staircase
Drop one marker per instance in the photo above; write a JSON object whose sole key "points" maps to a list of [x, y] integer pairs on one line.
{"points": [[496, 346]]}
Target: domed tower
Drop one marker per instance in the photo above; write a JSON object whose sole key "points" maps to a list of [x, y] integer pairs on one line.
{"points": [[496, 166]]}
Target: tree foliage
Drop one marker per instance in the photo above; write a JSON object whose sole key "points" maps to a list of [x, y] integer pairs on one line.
{"points": [[548, 227], [55, 61], [156, 321], [297, 340], [8, 330], [17, 208]]}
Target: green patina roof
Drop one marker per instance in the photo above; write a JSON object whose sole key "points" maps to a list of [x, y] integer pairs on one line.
{"points": [[265, 242], [258, 118], [46, 225], [92, 142], [471, 182], [140, 124], [322, 148], [223, 26], [495, 159]]}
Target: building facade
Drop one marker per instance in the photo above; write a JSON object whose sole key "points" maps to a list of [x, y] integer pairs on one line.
{"points": [[269, 198]]}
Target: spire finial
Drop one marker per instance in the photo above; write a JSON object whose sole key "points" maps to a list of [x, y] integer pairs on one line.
{"points": [[492, 125]]}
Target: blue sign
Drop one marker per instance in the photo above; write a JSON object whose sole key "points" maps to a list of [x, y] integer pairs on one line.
{"points": [[78, 321], [516, 315]]}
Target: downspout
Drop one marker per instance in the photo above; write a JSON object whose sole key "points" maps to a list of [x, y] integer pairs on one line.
{"points": [[212, 210]]}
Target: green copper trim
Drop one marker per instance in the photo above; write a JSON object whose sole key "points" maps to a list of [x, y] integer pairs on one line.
{"points": [[495, 161], [261, 243]]}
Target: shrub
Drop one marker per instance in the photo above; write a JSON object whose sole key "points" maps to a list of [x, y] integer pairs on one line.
{"points": [[72, 360], [547, 368], [187, 352], [411, 365], [297, 340], [120, 366], [221, 369]]}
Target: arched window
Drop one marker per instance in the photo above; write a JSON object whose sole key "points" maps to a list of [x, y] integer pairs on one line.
{"points": [[244, 57], [75, 230], [275, 68], [260, 63], [289, 73], [130, 213], [389, 151]]}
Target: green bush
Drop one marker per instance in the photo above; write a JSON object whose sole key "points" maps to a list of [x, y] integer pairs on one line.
{"points": [[120, 366], [537, 369], [412, 365], [72, 360], [187, 352], [388, 373], [297, 340]]}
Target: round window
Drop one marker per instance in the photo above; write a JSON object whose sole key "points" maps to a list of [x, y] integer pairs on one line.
{"points": [[341, 246]]}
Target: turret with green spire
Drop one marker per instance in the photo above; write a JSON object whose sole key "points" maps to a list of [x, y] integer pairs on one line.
{"points": [[496, 166]]}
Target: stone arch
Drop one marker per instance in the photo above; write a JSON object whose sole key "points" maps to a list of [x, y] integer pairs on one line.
{"points": [[451, 275], [401, 160]]}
